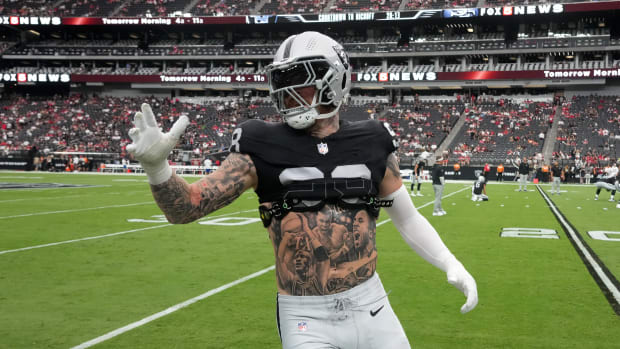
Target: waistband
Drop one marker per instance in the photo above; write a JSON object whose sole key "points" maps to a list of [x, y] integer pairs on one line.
{"points": [[367, 292]]}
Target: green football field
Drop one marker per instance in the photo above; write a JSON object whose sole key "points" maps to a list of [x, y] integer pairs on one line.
{"points": [[96, 264]]}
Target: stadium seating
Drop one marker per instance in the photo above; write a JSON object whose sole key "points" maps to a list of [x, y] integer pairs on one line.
{"points": [[498, 129], [588, 129], [422, 126]]}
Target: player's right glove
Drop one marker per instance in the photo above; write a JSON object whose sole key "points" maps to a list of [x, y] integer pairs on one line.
{"points": [[151, 146]]}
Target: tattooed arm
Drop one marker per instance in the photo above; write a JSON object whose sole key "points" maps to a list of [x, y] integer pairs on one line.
{"points": [[391, 181], [183, 203]]}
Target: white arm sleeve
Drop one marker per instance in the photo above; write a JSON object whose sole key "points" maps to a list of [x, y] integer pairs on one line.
{"points": [[417, 231], [423, 239]]}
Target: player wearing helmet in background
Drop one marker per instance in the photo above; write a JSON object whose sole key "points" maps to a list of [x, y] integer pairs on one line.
{"points": [[418, 170], [313, 174], [477, 190], [608, 182]]}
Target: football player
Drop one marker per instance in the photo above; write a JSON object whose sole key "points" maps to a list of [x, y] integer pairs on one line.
{"points": [[608, 182], [477, 190], [418, 170], [312, 162]]}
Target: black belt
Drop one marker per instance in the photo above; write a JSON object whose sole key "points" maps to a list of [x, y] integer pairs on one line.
{"points": [[279, 209]]}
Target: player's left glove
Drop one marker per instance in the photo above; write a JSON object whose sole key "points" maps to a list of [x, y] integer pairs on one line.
{"points": [[151, 146], [460, 278], [424, 239]]}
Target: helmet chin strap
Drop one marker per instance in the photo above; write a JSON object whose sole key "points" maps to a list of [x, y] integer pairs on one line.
{"points": [[302, 120], [308, 117]]}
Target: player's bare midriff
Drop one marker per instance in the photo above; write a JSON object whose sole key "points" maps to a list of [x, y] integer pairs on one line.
{"points": [[325, 252]]}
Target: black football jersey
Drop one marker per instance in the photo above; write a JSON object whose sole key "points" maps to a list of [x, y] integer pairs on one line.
{"points": [[292, 164], [478, 185], [420, 168]]}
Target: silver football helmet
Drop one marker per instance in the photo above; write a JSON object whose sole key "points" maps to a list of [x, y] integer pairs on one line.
{"points": [[304, 60]]}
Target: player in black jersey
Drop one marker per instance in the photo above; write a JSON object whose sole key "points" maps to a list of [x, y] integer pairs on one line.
{"points": [[418, 170], [609, 181], [320, 182], [557, 175], [477, 190]]}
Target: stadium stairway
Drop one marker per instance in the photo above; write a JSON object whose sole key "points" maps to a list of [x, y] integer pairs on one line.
{"points": [[329, 5], [258, 7], [190, 6], [550, 137], [119, 8], [453, 133]]}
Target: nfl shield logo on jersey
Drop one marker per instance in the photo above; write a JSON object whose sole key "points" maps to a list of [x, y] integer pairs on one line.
{"points": [[322, 148], [302, 326]]}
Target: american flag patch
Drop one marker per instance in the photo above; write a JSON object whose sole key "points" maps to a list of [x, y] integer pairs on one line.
{"points": [[302, 326], [322, 148]]}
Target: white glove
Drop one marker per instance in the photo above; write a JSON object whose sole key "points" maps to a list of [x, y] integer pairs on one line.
{"points": [[461, 279], [151, 147]]}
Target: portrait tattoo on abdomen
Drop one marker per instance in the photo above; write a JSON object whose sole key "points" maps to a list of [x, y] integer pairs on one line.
{"points": [[324, 252]]}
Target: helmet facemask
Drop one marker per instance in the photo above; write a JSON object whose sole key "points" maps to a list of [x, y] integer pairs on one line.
{"points": [[288, 76]]}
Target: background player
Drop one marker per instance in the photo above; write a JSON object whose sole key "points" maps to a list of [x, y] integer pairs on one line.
{"points": [[418, 170], [478, 190], [608, 182]]}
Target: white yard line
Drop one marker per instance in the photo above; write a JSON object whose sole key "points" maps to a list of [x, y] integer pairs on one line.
{"points": [[77, 210], [71, 196], [107, 235], [170, 310], [82, 239], [426, 204], [19, 177], [87, 186]]}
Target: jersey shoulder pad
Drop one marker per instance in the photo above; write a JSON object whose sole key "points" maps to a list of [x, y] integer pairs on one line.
{"points": [[249, 135], [385, 132]]}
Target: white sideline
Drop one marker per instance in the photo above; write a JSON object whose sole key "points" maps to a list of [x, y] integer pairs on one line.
{"points": [[77, 210], [170, 310], [198, 298], [108, 235]]}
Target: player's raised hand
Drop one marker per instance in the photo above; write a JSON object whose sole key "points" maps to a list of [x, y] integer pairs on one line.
{"points": [[462, 279], [151, 146]]}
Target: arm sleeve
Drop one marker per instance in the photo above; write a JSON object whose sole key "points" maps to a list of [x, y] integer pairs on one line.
{"points": [[417, 231]]}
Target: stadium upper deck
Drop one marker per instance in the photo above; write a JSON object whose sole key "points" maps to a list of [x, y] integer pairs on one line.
{"points": [[164, 8]]}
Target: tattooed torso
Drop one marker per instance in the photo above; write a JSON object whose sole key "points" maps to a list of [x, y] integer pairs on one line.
{"points": [[317, 253], [301, 239]]}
